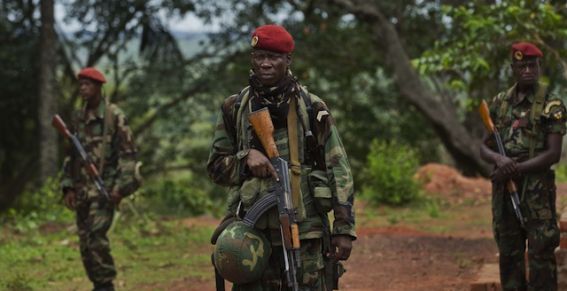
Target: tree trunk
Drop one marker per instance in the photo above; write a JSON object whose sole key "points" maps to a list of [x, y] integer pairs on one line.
{"points": [[461, 144], [47, 100]]}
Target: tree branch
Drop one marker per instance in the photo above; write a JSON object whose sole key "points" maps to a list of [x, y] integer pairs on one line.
{"points": [[462, 146], [201, 85]]}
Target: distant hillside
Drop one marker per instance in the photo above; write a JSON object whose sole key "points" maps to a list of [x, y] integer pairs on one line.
{"points": [[190, 44]]}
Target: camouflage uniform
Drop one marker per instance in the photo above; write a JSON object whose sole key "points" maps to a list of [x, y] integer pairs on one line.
{"points": [[94, 213], [537, 200], [321, 190]]}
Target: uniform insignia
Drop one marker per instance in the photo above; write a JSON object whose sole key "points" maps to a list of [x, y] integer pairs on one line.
{"points": [[321, 114], [254, 41], [558, 115], [522, 114], [547, 108], [518, 55]]}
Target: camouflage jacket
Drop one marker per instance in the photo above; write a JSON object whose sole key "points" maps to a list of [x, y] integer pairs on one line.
{"points": [[120, 170], [517, 130], [227, 163], [515, 125]]}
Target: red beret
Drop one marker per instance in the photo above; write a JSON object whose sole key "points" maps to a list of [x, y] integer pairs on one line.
{"points": [[525, 49], [93, 74], [272, 37]]}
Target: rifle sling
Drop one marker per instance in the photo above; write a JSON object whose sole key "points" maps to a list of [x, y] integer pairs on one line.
{"points": [[105, 127], [535, 114], [295, 165]]}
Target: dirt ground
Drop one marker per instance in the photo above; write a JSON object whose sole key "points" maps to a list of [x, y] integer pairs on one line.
{"points": [[405, 256]]}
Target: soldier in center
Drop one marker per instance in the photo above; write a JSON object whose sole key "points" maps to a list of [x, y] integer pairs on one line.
{"points": [[306, 137]]}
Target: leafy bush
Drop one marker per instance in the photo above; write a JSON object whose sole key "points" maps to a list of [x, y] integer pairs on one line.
{"points": [[388, 177], [561, 173], [35, 207], [179, 195]]}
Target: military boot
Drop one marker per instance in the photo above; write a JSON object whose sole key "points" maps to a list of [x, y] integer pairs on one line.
{"points": [[107, 286]]}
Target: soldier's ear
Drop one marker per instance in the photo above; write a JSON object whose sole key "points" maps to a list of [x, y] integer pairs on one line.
{"points": [[288, 58]]}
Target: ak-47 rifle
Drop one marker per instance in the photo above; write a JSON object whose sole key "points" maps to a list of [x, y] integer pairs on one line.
{"points": [[87, 162], [262, 125], [510, 185]]}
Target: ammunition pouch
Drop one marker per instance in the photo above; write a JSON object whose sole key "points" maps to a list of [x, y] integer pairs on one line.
{"points": [[322, 195]]}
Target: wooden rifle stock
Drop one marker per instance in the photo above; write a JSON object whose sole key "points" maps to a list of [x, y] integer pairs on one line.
{"points": [[59, 124], [485, 116], [264, 128]]}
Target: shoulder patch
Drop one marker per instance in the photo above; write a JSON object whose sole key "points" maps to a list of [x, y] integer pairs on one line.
{"points": [[554, 109], [550, 105], [322, 114]]}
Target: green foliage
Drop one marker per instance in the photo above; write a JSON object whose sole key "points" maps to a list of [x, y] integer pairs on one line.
{"points": [[561, 173], [34, 208], [182, 194], [18, 283], [388, 177]]}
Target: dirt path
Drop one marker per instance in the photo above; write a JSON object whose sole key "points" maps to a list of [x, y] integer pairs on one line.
{"points": [[398, 259], [405, 257]]}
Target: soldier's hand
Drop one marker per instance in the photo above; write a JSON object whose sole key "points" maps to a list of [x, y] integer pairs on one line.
{"points": [[115, 197], [506, 168], [341, 246], [259, 165], [70, 199]]}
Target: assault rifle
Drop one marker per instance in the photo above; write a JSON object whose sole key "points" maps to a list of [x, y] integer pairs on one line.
{"points": [[280, 194], [510, 185], [87, 162]]}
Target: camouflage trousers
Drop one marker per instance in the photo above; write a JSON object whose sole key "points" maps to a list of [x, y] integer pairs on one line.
{"points": [[541, 234], [93, 221], [309, 277]]}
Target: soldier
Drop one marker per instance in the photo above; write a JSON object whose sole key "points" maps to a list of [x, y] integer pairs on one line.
{"points": [[238, 160], [102, 129], [532, 123]]}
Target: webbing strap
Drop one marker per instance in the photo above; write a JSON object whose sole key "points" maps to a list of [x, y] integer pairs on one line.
{"points": [[295, 165], [105, 126], [535, 114], [537, 109], [241, 99]]}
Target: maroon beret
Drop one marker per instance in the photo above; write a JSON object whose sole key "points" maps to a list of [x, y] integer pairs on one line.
{"points": [[525, 49], [93, 74], [272, 37]]}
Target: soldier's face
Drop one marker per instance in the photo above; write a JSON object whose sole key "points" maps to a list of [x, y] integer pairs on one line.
{"points": [[269, 67], [526, 71], [89, 89]]}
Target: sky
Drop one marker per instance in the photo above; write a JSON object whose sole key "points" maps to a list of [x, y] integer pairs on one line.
{"points": [[189, 23]]}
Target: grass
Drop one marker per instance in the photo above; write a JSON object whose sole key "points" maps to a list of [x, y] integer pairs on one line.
{"points": [[146, 253], [429, 215]]}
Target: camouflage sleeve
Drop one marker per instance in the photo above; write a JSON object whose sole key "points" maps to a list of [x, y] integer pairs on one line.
{"points": [[127, 178], [226, 164], [554, 116], [338, 171], [66, 173], [66, 180]]}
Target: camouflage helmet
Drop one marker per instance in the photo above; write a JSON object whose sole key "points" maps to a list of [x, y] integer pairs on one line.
{"points": [[241, 253]]}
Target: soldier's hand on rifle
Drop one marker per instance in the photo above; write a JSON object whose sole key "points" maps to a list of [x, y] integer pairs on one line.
{"points": [[70, 199], [259, 165], [341, 245], [506, 168]]}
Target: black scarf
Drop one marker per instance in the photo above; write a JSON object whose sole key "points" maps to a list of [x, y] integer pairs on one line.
{"points": [[275, 98]]}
